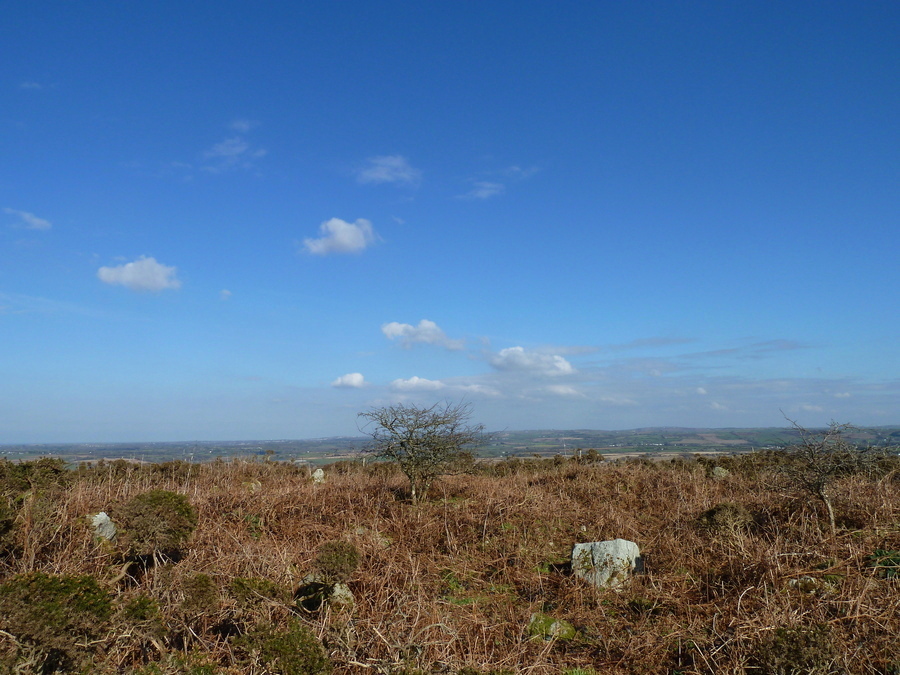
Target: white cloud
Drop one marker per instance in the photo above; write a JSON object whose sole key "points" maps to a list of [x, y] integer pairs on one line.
{"points": [[31, 85], [242, 126], [618, 399], [417, 384], [484, 190], [717, 406], [563, 390], [144, 274], [225, 294], [518, 359], [339, 236], [811, 408], [701, 391], [389, 169], [843, 394], [477, 389], [28, 220], [427, 332], [231, 153], [350, 381]]}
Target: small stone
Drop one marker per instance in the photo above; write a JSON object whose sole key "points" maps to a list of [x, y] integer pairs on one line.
{"points": [[720, 473], [804, 584], [318, 476], [252, 486], [341, 597], [103, 525]]}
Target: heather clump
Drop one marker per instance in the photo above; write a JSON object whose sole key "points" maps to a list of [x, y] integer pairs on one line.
{"points": [[293, 650], [157, 522], [335, 561], [200, 595], [797, 651], [255, 591], [39, 475], [727, 518], [56, 614], [7, 523]]}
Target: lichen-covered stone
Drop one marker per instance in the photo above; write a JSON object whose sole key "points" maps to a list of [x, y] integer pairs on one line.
{"points": [[546, 627], [103, 525], [606, 564]]}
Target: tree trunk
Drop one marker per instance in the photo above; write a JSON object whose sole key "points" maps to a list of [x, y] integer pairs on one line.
{"points": [[826, 500]]}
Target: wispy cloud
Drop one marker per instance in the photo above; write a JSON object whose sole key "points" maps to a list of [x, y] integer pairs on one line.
{"points": [[394, 169], [482, 189], [339, 236], [143, 274], [416, 383], [350, 381], [518, 359], [225, 294], [28, 220], [517, 172], [16, 303], [562, 390], [232, 153], [650, 342], [426, 332], [33, 86], [242, 126], [752, 351]]}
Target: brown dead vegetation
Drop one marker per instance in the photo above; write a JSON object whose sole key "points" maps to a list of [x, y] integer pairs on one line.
{"points": [[449, 584]]}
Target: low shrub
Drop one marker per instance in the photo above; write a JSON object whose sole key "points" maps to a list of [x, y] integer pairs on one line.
{"points": [[7, 523], [201, 595], [336, 561], [250, 591], [41, 474], [57, 614], [155, 522], [797, 651], [292, 651], [726, 518]]}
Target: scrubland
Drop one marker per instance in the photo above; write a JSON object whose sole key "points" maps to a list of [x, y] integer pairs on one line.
{"points": [[741, 575]]}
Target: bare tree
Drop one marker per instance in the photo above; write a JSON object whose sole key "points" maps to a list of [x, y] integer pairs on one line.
{"points": [[425, 442], [821, 457]]}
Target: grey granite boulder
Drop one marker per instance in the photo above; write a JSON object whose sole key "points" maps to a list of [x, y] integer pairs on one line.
{"points": [[103, 526], [606, 564]]}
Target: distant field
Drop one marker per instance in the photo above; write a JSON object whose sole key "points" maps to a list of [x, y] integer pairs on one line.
{"points": [[541, 442]]}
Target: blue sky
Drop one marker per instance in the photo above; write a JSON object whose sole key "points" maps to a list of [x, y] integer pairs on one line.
{"points": [[239, 220]]}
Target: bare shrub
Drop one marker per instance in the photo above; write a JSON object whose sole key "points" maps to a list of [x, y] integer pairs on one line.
{"points": [[727, 517], [425, 442]]}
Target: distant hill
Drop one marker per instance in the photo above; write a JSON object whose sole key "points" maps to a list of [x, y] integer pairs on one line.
{"points": [[501, 444]]}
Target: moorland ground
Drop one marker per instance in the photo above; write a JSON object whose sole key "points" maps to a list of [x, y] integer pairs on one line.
{"points": [[741, 573]]}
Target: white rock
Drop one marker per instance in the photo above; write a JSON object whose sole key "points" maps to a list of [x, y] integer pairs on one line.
{"points": [[720, 473], [606, 563], [103, 526], [318, 476]]}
